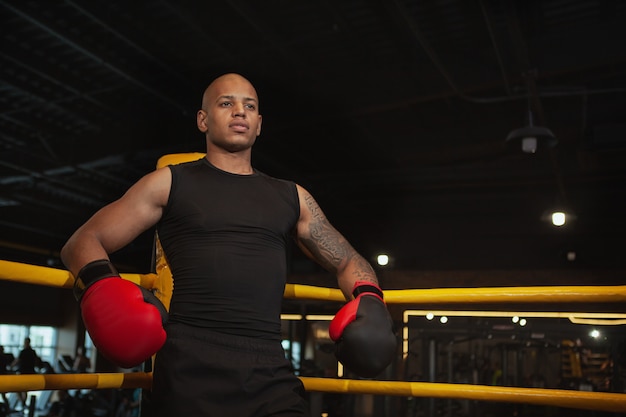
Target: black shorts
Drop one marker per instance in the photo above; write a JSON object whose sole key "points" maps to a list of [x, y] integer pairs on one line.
{"points": [[202, 373]]}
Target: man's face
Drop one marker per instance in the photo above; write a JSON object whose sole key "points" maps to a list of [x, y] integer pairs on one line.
{"points": [[230, 114]]}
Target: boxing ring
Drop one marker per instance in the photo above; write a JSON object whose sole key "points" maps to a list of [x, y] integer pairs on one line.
{"points": [[160, 282]]}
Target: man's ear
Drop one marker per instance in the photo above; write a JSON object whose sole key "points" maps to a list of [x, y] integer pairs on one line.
{"points": [[201, 121], [258, 128]]}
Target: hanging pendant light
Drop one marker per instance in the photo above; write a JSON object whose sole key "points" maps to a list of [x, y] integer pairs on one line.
{"points": [[531, 138]]}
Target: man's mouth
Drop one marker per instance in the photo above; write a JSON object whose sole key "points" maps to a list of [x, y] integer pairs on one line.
{"points": [[239, 127]]}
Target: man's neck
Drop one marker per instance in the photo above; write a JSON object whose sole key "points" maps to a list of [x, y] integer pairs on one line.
{"points": [[235, 163]]}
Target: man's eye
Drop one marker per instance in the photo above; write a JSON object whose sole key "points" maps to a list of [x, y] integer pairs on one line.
{"points": [[226, 104], [250, 106]]}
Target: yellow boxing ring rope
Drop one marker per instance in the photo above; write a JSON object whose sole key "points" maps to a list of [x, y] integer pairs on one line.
{"points": [[52, 277], [600, 401]]}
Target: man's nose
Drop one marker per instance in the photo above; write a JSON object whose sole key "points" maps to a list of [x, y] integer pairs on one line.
{"points": [[238, 110]]}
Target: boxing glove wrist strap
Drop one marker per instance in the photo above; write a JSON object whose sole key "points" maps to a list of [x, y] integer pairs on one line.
{"points": [[92, 272], [366, 288]]}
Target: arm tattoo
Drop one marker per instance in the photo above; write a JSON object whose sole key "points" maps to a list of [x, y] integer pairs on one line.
{"points": [[365, 272], [330, 248], [324, 242]]}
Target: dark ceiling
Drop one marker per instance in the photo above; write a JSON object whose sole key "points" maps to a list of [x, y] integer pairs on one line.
{"points": [[393, 113]]}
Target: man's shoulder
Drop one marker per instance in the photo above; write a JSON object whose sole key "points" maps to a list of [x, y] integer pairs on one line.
{"points": [[280, 182], [189, 164]]}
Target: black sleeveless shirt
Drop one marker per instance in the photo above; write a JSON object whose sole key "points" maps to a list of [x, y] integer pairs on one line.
{"points": [[225, 238]]}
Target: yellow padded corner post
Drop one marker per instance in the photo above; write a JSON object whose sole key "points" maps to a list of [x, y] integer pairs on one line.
{"points": [[179, 158]]}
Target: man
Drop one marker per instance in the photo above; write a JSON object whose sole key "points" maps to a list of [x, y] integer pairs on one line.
{"points": [[224, 228], [26, 362]]}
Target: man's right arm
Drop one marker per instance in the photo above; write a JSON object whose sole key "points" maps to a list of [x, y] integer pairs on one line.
{"points": [[124, 320], [119, 223]]}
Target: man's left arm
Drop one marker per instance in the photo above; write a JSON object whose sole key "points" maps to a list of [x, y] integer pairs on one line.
{"points": [[362, 330]]}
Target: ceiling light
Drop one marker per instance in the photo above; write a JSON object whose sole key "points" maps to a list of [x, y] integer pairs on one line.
{"points": [[558, 218], [558, 214], [531, 138], [382, 259]]}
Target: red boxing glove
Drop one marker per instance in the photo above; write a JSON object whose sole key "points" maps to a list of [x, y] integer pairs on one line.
{"points": [[363, 332], [124, 320]]}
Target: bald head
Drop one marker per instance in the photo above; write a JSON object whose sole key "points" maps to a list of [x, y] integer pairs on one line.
{"points": [[230, 117], [224, 83]]}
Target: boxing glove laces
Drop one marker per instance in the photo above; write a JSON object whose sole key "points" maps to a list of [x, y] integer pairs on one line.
{"points": [[125, 321], [363, 332]]}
